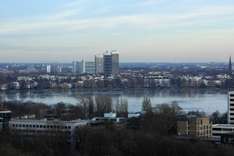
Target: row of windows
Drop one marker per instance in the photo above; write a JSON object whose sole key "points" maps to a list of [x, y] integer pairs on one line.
{"points": [[222, 129], [231, 95], [41, 126], [41, 132], [216, 134]]}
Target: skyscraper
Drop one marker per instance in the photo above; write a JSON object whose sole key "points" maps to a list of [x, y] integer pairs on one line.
{"points": [[48, 69], [78, 67], [107, 64], [99, 64], [111, 63], [81, 67], [90, 67], [74, 67], [115, 63]]}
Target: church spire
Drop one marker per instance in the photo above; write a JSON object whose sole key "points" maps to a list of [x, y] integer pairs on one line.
{"points": [[230, 66]]}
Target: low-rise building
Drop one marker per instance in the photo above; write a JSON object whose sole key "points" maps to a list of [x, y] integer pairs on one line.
{"points": [[5, 116], [223, 133], [29, 127], [193, 126]]}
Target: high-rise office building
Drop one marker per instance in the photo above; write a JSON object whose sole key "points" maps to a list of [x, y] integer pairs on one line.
{"points": [[99, 64], [115, 63], [75, 67], [231, 107], [48, 69], [90, 67], [111, 63], [107, 64], [82, 66], [78, 67]]}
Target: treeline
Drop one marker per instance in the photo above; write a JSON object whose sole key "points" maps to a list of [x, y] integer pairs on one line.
{"points": [[87, 108], [15, 145], [125, 142]]}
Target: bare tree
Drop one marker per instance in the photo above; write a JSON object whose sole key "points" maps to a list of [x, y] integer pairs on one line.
{"points": [[146, 105]]}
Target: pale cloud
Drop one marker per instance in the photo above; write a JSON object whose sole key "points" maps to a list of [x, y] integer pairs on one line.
{"points": [[62, 20], [76, 27]]}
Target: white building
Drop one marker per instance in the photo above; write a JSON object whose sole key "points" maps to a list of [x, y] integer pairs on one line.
{"points": [[31, 127], [99, 64], [220, 129], [48, 69], [110, 115]]}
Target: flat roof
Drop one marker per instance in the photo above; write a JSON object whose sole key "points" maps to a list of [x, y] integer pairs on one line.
{"points": [[48, 121], [5, 111]]}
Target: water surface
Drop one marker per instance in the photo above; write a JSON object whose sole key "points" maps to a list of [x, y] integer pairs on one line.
{"points": [[202, 100]]}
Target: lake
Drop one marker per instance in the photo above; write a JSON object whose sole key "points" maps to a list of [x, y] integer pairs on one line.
{"points": [[193, 99]]}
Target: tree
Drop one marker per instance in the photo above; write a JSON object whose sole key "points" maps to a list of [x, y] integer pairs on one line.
{"points": [[90, 107], [122, 108], [103, 105], [146, 105]]}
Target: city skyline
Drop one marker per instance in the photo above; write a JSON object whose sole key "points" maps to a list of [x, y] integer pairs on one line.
{"points": [[141, 30]]}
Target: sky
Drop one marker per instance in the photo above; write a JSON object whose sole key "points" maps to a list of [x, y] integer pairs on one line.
{"points": [[141, 30]]}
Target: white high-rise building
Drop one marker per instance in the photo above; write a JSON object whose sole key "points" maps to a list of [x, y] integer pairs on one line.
{"points": [[48, 68], [78, 67], [82, 66], [231, 107], [99, 64], [115, 63]]}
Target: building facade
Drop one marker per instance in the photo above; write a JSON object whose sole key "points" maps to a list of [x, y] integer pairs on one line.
{"points": [[99, 64], [231, 107], [221, 131], [111, 64], [107, 64], [78, 67], [115, 63], [90, 67], [5, 117], [199, 127], [28, 127]]}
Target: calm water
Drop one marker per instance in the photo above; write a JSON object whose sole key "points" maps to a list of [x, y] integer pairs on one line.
{"points": [[203, 100]]}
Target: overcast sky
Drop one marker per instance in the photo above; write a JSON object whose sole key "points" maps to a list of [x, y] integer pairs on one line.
{"points": [[141, 30]]}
